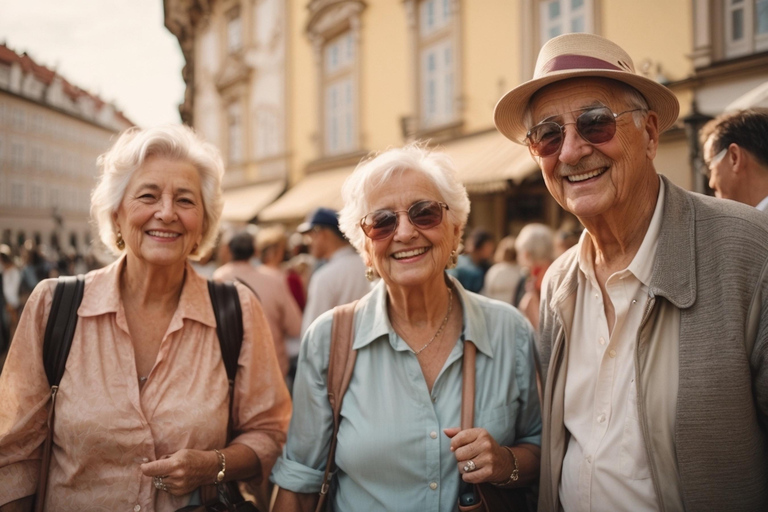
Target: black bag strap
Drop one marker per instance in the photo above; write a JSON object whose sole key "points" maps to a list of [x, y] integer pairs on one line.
{"points": [[60, 329], [229, 324]]}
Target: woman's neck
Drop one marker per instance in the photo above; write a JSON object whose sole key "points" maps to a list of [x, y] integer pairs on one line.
{"points": [[419, 305], [146, 284]]}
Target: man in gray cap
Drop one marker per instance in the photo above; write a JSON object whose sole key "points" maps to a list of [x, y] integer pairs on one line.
{"points": [[342, 278], [653, 329]]}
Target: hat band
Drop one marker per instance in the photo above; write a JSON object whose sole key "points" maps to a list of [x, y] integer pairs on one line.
{"points": [[573, 62]]}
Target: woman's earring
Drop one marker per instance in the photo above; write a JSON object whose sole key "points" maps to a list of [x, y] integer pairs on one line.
{"points": [[120, 243], [453, 259], [369, 274]]}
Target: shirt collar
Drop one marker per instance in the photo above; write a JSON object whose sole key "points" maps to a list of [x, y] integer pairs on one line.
{"points": [[373, 317], [103, 295], [642, 264], [763, 205]]}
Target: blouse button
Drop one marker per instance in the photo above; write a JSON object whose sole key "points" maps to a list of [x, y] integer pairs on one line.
{"points": [[433, 485], [433, 434], [137, 508]]}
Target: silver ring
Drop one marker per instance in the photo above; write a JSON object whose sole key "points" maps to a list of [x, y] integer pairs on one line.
{"points": [[159, 484], [469, 466]]}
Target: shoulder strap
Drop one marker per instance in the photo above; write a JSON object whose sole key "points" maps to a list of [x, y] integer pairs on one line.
{"points": [[340, 365], [229, 323], [468, 385], [60, 329], [59, 332]]}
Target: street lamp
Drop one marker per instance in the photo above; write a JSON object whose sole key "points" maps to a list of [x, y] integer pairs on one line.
{"points": [[693, 123]]}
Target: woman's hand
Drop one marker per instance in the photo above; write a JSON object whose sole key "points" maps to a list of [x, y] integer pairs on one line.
{"points": [[184, 471], [492, 462]]}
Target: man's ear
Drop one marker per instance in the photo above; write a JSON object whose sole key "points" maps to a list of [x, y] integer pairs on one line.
{"points": [[651, 129], [737, 158]]}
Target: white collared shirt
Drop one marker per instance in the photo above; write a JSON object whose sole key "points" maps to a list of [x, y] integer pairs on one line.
{"points": [[763, 205], [606, 465]]}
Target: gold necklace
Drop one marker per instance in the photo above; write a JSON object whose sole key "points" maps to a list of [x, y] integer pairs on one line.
{"points": [[442, 326]]}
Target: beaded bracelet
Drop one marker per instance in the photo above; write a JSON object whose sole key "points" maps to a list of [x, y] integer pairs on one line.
{"points": [[223, 468]]}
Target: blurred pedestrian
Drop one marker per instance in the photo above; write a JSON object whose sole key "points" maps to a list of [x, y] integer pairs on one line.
{"points": [[502, 278], [736, 156], [283, 315], [10, 277], [270, 243], [339, 281], [472, 265], [535, 249], [143, 413], [654, 328]]}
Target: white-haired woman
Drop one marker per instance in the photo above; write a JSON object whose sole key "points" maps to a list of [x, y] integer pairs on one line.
{"points": [[144, 400], [399, 445], [535, 251]]}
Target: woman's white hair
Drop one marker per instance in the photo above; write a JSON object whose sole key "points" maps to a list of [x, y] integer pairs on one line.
{"points": [[360, 187], [537, 242], [128, 154]]}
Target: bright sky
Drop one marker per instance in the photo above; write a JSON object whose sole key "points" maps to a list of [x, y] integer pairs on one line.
{"points": [[117, 49]]}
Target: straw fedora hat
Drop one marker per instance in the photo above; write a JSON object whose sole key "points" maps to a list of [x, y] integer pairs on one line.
{"points": [[580, 55]]}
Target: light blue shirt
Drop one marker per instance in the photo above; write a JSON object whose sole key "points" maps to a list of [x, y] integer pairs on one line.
{"points": [[392, 454]]}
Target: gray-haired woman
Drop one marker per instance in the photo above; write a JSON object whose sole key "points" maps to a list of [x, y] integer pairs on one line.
{"points": [[399, 447], [144, 401]]}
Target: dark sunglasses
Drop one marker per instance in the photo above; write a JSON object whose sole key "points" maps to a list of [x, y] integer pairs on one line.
{"points": [[595, 125], [422, 214]]}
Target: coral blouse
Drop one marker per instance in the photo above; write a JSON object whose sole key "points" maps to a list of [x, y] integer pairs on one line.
{"points": [[106, 426]]}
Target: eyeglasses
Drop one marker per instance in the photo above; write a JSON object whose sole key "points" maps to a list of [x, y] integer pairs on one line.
{"points": [[707, 169], [595, 125], [381, 224]]}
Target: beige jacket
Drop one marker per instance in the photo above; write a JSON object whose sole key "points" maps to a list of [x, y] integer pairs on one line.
{"points": [[710, 278]]}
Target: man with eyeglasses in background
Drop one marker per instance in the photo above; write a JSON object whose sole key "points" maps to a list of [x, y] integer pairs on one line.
{"points": [[736, 156], [653, 332]]}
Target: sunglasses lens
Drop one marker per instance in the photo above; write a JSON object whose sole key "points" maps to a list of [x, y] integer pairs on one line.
{"points": [[545, 139], [597, 125], [379, 224], [425, 214]]}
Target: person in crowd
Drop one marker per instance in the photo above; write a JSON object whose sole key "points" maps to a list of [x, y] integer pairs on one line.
{"points": [[535, 247], [736, 156], [271, 242], [475, 261], [566, 237], [501, 280], [343, 278], [144, 400], [404, 212], [283, 315], [301, 263], [34, 269], [653, 329], [11, 279]]}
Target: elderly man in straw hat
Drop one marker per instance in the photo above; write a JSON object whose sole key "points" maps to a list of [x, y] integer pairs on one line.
{"points": [[654, 328]]}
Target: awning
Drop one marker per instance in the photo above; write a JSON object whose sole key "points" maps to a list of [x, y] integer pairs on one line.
{"points": [[322, 188], [242, 204], [486, 161], [755, 98]]}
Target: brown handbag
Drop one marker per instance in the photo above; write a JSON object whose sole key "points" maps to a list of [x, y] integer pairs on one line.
{"points": [[487, 497]]}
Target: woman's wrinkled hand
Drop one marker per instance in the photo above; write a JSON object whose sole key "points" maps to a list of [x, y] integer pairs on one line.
{"points": [[184, 471], [491, 461]]}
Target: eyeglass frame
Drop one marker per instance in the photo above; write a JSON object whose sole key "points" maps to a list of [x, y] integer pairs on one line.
{"points": [[443, 206], [707, 168], [562, 127]]}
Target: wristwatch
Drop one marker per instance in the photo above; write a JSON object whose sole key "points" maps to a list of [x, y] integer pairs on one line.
{"points": [[222, 467]]}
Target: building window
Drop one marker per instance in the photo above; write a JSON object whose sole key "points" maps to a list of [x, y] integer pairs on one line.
{"points": [[17, 195], [745, 27], [17, 156], [559, 17], [437, 62], [267, 132], [235, 133], [234, 30], [339, 97]]}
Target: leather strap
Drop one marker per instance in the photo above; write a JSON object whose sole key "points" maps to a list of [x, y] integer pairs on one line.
{"points": [[341, 362], [468, 386]]}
